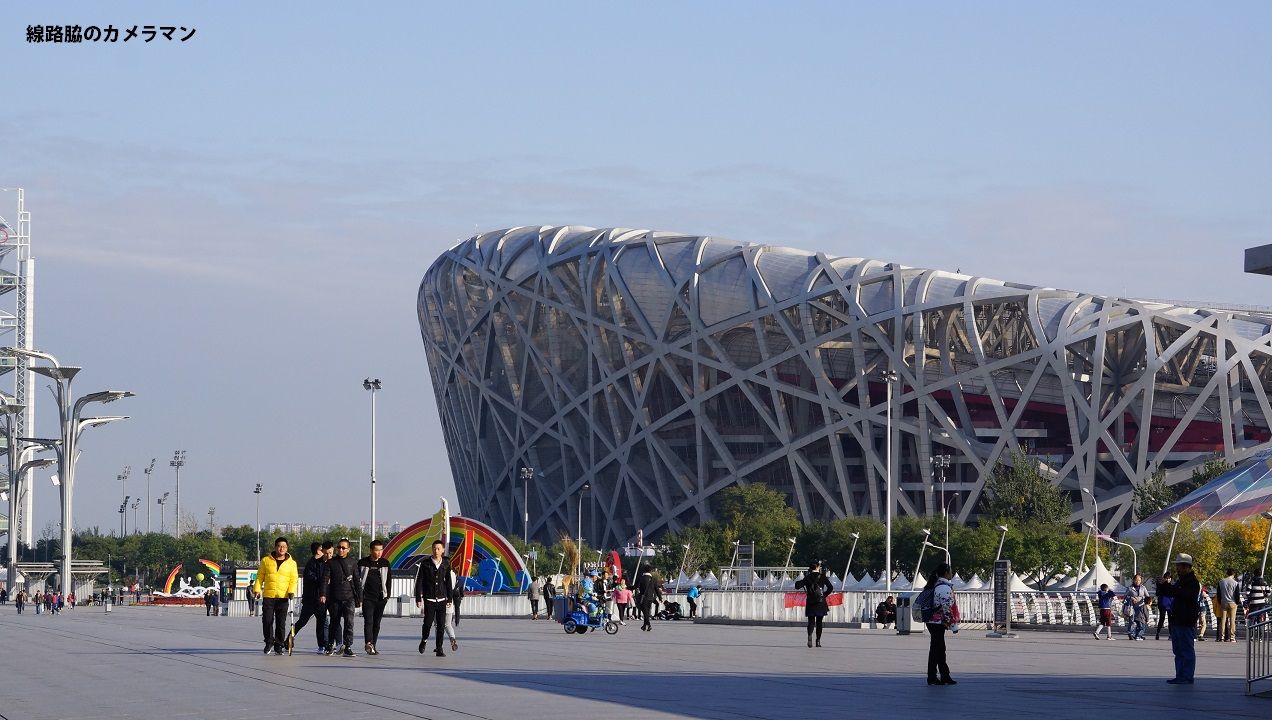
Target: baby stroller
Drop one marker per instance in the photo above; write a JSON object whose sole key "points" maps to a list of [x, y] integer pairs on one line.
{"points": [[671, 611]]}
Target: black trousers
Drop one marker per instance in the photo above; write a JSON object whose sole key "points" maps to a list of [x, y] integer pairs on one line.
{"points": [[646, 611], [434, 614], [534, 606], [693, 607], [274, 620], [936, 653], [341, 613], [316, 610], [1161, 618], [815, 625], [372, 612]]}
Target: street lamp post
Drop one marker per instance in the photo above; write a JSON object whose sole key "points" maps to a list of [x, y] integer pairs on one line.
{"points": [[891, 378], [374, 385], [72, 426], [160, 502], [136, 504], [1174, 521], [922, 548], [257, 493], [149, 469], [212, 520], [855, 537], [177, 462], [582, 491], [1001, 539], [123, 516], [527, 474], [941, 462], [1134, 558], [1263, 566], [928, 544], [17, 472], [790, 551], [1087, 540], [123, 482], [733, 561], [683, 559]]}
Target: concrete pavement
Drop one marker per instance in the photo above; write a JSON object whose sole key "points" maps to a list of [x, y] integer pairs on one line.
{"points": [[151, 662]]}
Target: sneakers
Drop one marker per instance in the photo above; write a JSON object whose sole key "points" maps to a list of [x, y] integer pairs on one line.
{"points": [[268, 646], [330, 650], [1096, 635], [622, 622], [348, 652], [439, 652], [368, 648], [278, 650], [810, 641], [423, 645], [454, 645]]}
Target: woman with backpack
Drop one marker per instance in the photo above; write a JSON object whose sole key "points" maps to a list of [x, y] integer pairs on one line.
{"points": [[816, 589], [942, 613]]}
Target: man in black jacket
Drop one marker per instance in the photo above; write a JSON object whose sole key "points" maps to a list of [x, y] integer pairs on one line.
{"points": [[373, 577], [341, 594], [433, 588], [1183, 619], [648, 595], [311, 590]]}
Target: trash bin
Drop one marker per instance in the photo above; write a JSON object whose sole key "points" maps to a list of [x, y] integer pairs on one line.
{"points": [[404, 605], [904, 616]]}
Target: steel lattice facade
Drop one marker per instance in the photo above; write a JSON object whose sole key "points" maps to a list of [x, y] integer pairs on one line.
{"points": [[662, 368]]}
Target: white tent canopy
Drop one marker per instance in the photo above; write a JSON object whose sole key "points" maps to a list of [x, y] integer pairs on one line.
{"points": [[975, 583]]}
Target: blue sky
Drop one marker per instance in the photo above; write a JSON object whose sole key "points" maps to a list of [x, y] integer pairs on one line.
{"points": [[235, 227]]}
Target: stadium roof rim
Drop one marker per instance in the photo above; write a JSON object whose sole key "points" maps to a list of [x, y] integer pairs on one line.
{"points": [[566, 241]]}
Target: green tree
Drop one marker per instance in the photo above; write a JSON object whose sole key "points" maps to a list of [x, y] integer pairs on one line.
{"points": [[1018, 492], [1153, 494], [756, 513], [1205, 546]]}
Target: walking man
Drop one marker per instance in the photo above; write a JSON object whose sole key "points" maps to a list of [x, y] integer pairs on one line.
{"points": [[374, 579], [648, 595], [1228, 589], [433, 589], [276, 584], [1183, 620], [341, 593], [311, 589]]}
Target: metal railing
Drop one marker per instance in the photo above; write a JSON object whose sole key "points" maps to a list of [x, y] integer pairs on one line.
{"points": [[1259, 652]]}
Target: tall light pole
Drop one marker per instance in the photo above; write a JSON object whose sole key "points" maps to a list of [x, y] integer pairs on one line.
{"points": [[212, 520], [160, 502], [791, 551], [17, 480], [177, 462], [683, 559], [1263, 566], [1087, 540], [941, 462], [257, 493], [1174, 521], [1134, 558], [123, 516], [136, 504], [582, 491], [891, 378], [926, 534], [374, 386], [123, 482], [855, 537], [149, 469], [72, 426], [527, 474]]}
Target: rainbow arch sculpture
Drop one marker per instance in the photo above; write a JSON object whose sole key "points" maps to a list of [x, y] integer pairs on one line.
{"points": [[478, 553]]}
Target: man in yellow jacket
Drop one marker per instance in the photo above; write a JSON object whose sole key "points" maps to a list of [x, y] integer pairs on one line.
{"points": [[276, 584]]}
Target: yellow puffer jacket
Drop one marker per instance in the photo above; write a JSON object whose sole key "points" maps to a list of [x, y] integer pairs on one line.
{"points": [[278, 579]]}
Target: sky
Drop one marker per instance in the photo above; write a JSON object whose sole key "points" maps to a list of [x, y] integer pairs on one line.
{"points": [[235, 227]]}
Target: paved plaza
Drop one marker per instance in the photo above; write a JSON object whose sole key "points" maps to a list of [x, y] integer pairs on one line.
{"points": [[149, 662]]}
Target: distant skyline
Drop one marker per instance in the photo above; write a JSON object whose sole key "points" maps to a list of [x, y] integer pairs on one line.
{"points": [[235, 227]]}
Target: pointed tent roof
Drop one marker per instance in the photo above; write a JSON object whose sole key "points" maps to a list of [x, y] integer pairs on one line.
{"points": [[1242, 493], [975, 583], [1096, 576], [710, 582], [957, 582], [1018, 585]]}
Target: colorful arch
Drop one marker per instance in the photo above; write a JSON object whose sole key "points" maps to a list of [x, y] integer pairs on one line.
{"points": [[477, 552], [213, 567], [167, 585]]}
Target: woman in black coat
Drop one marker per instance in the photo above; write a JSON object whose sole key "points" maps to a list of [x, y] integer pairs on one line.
{"points": [[816, 589]]}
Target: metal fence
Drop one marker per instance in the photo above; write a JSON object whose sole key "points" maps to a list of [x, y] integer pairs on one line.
{"points": [[1259, 653]]}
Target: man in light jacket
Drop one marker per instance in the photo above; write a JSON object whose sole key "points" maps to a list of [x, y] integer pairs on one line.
{"points": [[276, 584]]}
